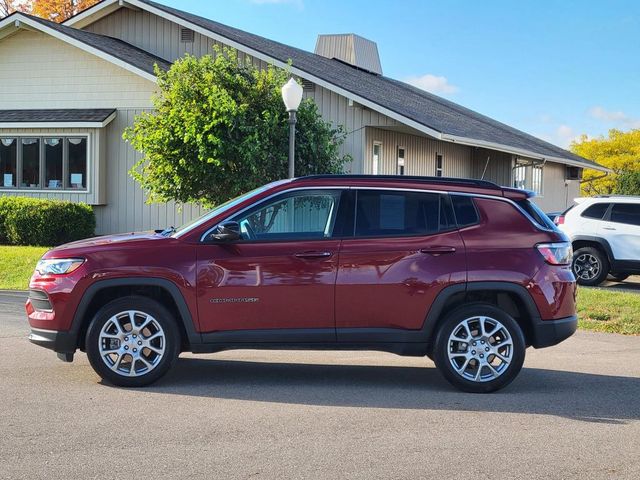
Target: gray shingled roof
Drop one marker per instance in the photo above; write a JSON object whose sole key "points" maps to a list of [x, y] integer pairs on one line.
{"points": [[422, 107], [66, 115], [122, 50]]}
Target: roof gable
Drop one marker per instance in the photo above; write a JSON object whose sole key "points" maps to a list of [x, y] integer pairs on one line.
{"points": [[111, 49]]}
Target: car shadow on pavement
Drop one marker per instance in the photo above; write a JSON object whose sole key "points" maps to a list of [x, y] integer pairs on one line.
{"points": [[574, 395]]}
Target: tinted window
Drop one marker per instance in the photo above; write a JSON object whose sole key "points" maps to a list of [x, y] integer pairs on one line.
{"points": [[302, 215], [626, 213], [538, 215], [465, 210], [387, 213], [596, 210]]}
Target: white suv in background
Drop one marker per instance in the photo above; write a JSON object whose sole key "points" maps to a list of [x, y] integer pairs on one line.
{"points": [[605, 233]]}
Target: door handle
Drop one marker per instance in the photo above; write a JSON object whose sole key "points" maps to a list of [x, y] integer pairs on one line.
{"points": [[313, 254], [438, 250], [608, 228]]}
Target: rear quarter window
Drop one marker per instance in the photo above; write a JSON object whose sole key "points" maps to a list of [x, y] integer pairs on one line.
{"points": [[465, 210], [597, 211]]}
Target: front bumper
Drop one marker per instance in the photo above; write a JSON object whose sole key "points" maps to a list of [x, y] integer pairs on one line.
{"points": [[551, 332]]}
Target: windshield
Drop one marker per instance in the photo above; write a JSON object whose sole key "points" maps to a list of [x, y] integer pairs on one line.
{"points": [[223, 207]]}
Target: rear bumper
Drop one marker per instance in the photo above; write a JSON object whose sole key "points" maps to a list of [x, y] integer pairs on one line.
{"points": [[60, 342], [551, 332]]}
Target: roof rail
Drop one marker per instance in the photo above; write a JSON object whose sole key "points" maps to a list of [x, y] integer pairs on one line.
{"points": [[410, 178], [614, 195]]}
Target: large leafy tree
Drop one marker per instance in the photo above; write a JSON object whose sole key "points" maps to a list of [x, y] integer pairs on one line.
{"points": [[620, 151], [219, 129]]}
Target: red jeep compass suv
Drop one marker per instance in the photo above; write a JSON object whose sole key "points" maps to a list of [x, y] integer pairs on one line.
{"points": [[462, 271]]}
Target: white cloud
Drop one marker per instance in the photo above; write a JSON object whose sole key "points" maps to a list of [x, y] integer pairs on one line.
{"points": [[295, 3], [561, 136], [618, 117], [432, 83]]}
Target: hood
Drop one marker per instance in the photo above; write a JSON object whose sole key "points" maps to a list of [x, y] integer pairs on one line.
{"points": [[109, 240]]}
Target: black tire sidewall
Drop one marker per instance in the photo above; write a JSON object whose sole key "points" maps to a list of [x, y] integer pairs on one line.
{"points": [[142, 304], [442, 346], [604, 266]]}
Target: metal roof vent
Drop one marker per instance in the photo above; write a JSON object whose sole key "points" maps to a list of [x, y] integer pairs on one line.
{"points": [[186, 35], [352, 49]]}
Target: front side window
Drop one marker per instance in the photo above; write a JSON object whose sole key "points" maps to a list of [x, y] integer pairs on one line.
{"points": [[44, 162], [628, 213], [382, 213], [297, 216], [8, 161]]}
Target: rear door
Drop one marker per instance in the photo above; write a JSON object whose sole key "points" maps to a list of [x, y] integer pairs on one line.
{"points": [[404, 251], [621, 229]]}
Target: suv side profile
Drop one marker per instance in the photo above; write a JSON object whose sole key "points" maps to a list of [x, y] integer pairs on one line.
{"points": [[605, 233], [464, 272]]}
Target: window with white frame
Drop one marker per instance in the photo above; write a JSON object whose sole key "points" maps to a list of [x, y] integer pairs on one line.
{"points": [[375, 158], [44, 162], [528, 176], [401, 154], [439, 165]]}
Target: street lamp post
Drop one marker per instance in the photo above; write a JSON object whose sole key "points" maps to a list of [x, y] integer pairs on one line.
{"points": [[292, 96]]}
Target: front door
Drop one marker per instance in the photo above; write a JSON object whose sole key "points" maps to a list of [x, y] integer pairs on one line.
{"points": [[404, 251], [280, 276]]}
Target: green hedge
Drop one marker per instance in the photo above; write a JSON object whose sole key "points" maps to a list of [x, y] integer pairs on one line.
{"points": [[31, 221]]}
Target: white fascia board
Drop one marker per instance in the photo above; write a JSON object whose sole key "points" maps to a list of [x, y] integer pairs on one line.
{"points": [[519, 151], [21, 125], [93, 14], [82, 46]]}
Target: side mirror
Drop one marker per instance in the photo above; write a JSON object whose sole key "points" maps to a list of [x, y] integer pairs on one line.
{"points": [[226, 232]]}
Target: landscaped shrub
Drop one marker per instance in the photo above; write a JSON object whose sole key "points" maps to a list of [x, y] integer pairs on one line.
{"points": [[31, 221]]}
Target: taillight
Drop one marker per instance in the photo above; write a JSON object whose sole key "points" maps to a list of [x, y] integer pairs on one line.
{"points": [[559, 220], [556, 253]]}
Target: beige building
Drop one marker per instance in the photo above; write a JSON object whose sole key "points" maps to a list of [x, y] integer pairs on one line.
{"points": [[68, 91]]}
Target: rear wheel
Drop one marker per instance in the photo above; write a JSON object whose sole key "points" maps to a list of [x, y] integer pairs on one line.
{"points": [[132, 341], [590, 266], [479, 348]]}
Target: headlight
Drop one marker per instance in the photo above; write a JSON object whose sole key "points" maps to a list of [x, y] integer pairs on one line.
{"points": [[58, 266]]}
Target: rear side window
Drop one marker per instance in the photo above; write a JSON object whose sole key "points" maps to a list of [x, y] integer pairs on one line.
{"points": [[628, 213], [465, 210], [596, 211], [389, 213]]}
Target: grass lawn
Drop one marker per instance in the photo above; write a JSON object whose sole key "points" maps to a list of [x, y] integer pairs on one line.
{"points": [[603, 310], [598, 309], [17, 264]]}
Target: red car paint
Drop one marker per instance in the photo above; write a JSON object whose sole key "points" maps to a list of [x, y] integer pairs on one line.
{"points": [[334, 283]]}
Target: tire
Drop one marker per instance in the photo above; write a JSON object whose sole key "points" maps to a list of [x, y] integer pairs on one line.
{"points": [[111, 346], [464, 364], [618, 277], [590, 266]]}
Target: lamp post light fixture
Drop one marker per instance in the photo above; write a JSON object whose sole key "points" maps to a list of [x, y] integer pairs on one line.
{"points": [[292, 96]]}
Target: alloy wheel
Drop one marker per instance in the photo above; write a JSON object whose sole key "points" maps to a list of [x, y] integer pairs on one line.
{"points": [[586, 266], [131, 343], [480, 349]]}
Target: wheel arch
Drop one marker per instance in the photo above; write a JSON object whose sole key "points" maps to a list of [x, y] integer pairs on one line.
{"points": [[103, 291], [580, 241]]}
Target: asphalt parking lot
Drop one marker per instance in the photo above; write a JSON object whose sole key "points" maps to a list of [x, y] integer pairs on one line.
{"points": [[574, 412]]}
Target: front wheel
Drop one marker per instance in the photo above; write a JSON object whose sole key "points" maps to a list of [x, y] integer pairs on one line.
{"points": [[479, 348], [132, 341]]}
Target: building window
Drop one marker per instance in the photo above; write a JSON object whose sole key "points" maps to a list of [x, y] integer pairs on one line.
{"points": [[528, 176], [438, 165], [8, 161], [43, 162], [375, 160], [400, 161]]}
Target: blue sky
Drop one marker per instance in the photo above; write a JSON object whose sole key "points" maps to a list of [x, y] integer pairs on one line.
{"points": [[555, 69]]}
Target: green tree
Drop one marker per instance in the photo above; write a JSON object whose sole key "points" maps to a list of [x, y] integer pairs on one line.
{"points": [[620, 152], [219, 129], [628, 183]]}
